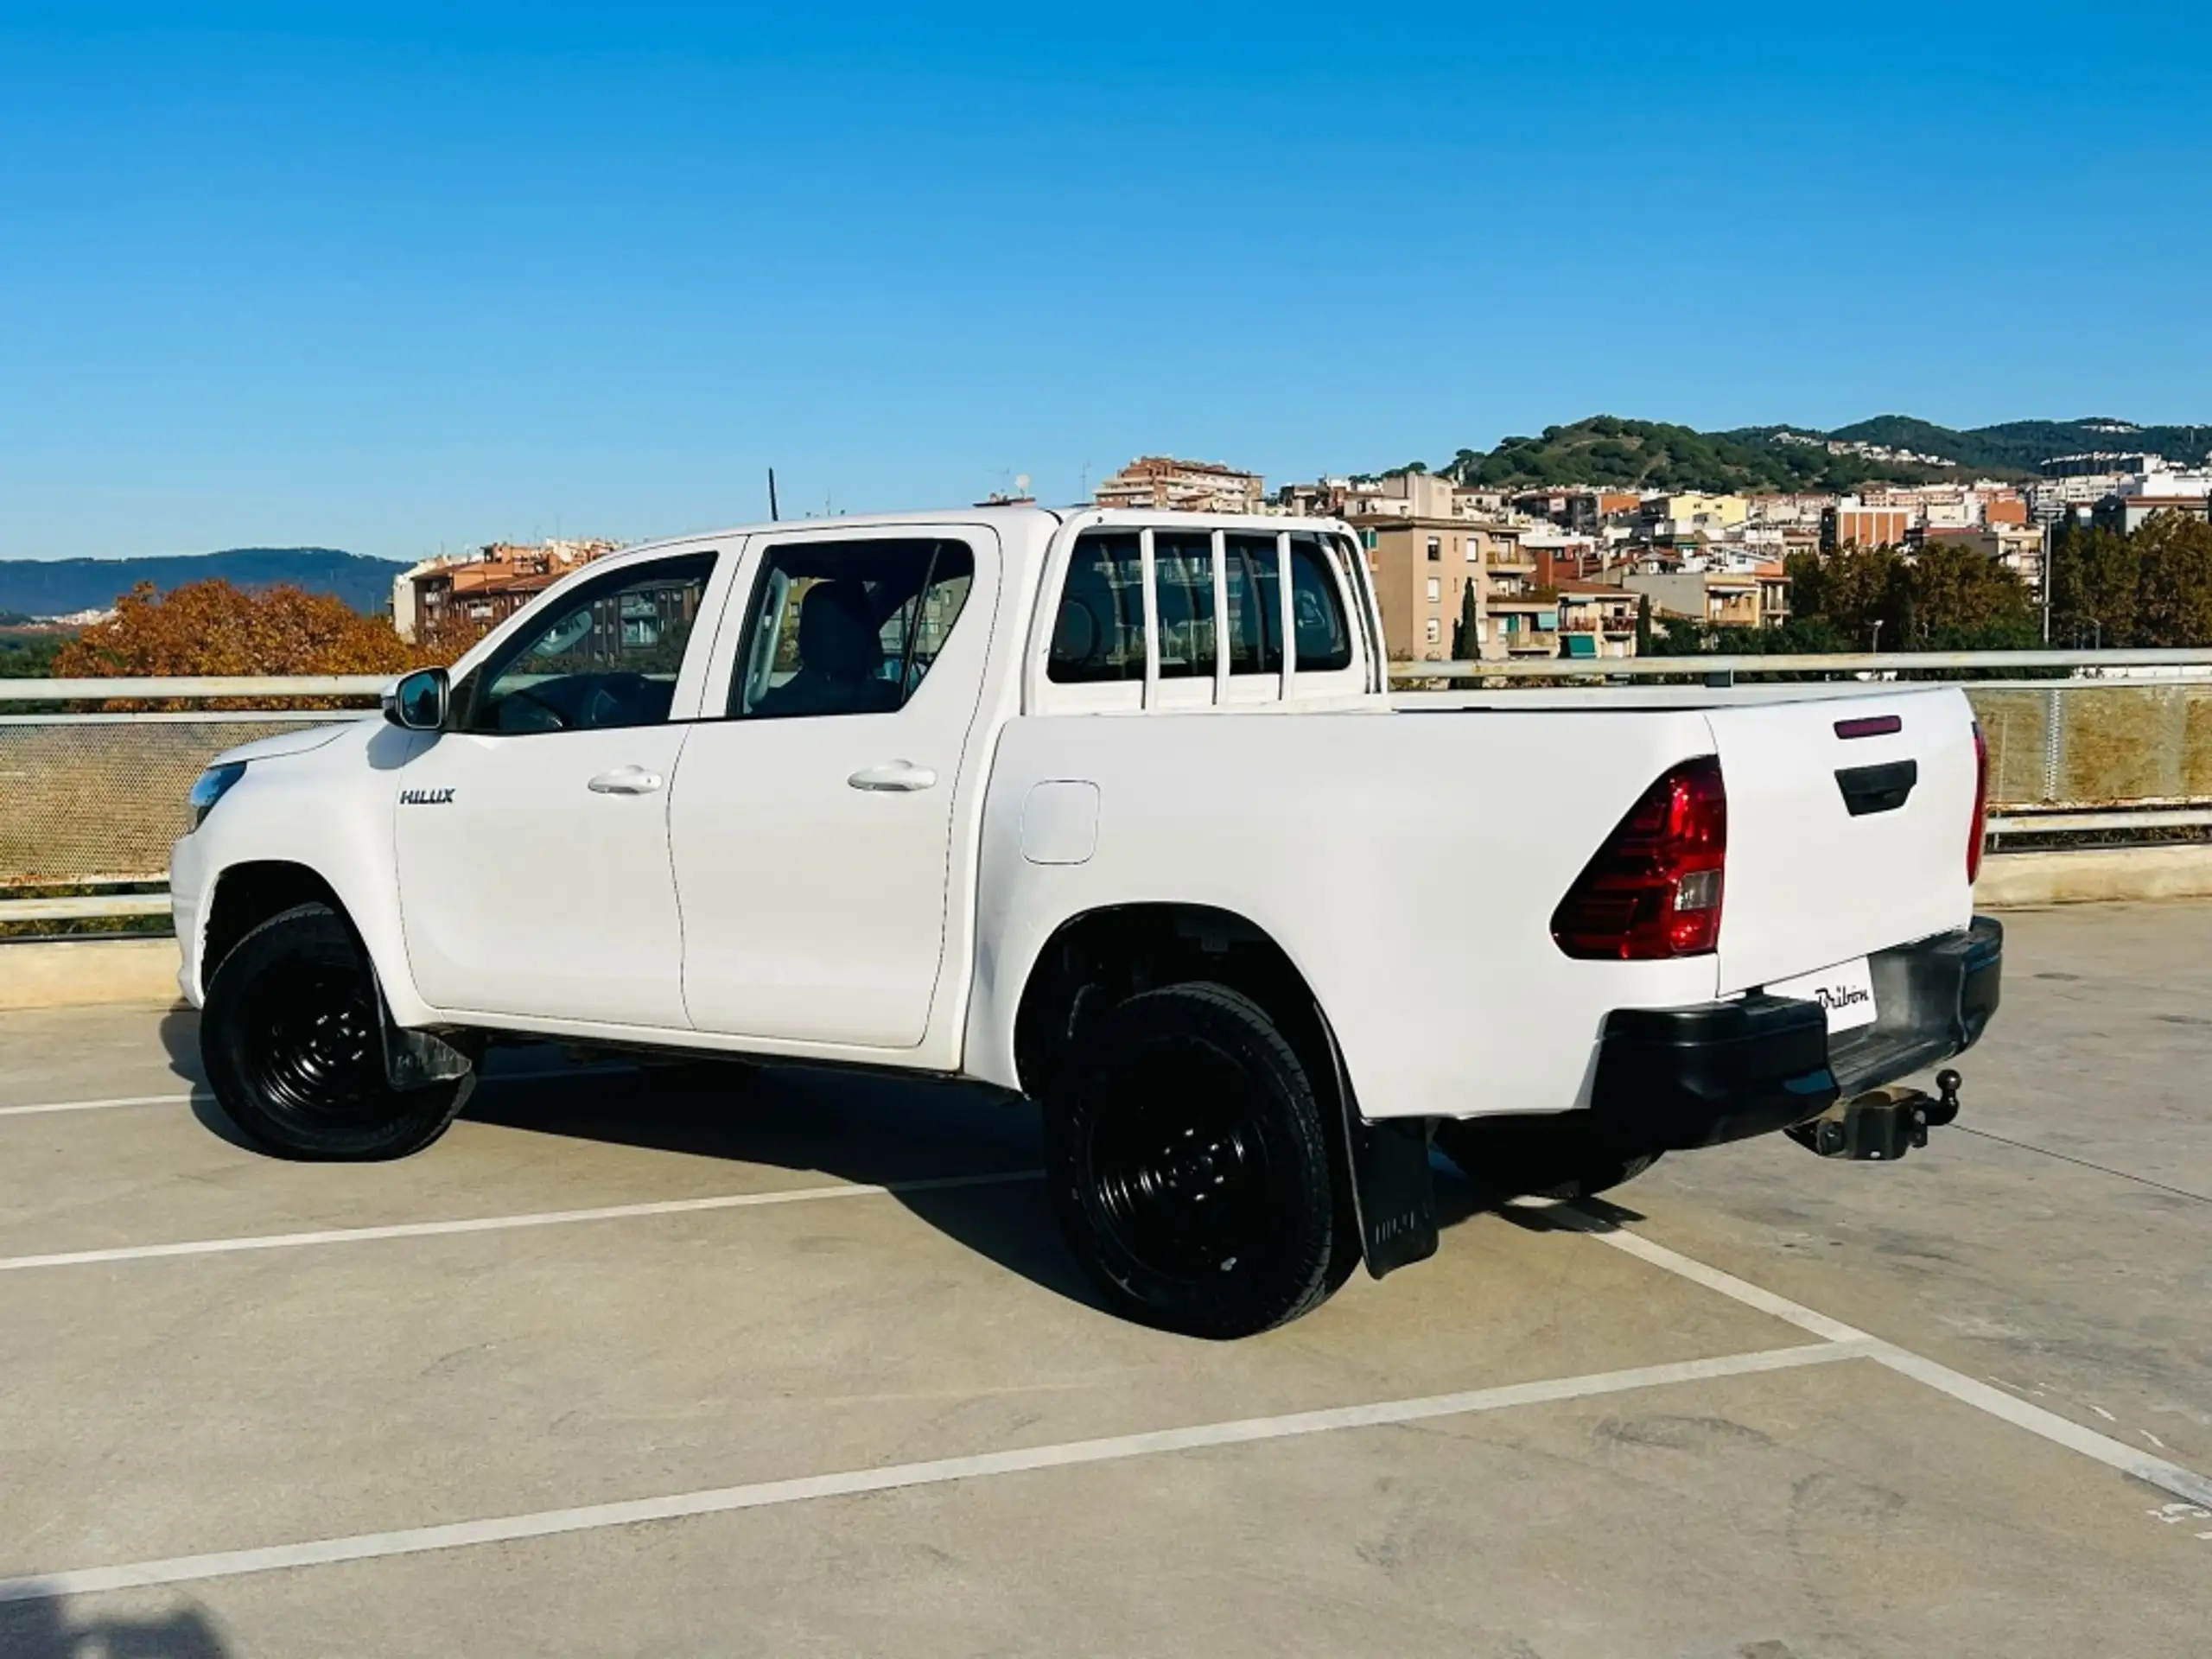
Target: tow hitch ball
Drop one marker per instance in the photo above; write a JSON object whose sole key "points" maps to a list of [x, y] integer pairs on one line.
{"points": [[1881, 1125]]}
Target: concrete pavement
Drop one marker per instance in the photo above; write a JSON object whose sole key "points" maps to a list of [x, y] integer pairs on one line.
{"points": [[1548, 1445]]}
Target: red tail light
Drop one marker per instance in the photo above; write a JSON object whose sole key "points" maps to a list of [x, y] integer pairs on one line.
{"points": [[1979, 830], [1653, 890]]}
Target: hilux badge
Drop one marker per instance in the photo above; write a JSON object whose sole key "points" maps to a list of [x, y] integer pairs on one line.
{"points": [[425, 797]]}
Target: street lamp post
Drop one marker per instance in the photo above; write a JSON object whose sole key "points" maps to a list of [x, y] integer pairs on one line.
{"points": [[1877, 635]]}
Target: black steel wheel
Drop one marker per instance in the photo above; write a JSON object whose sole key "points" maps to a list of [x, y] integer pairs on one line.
{"points": [[291, 1039], [1194, 1169]]}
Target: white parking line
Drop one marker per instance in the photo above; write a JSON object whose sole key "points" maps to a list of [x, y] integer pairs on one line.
{"points": [[2060, 1431], [501, 1224], [201, 1094], [185, 1569]]}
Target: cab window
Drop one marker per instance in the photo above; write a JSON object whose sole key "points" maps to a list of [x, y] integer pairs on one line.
{"points": [[1323, 637], [848, 628], [606, 656], [1099, 632]]}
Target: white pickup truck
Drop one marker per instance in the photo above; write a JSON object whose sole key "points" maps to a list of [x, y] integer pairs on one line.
{"points": [[1114, 811]]}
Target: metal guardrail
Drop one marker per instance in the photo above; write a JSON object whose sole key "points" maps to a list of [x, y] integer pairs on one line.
{"points": [[1841, 664], [195, 688], [2110, 743]]}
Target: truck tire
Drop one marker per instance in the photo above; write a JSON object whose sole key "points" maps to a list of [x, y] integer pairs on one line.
{"points": [[1192, 1164], [1519, 1159], [291, 1037]]}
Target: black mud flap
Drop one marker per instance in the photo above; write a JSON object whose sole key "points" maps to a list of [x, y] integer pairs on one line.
{"points": [[415, 1059], [1392, 1194]]}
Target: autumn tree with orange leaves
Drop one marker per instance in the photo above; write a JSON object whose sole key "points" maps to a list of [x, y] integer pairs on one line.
{"points": [[212, 627]]}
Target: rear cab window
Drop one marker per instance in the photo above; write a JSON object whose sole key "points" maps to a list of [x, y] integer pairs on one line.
{"points": [[1183, 615]]}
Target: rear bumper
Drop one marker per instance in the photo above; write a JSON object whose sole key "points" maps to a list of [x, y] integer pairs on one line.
{"points": [[1694, 1077]]}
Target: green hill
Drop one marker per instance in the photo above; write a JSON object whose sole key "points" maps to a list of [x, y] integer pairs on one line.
{"points": [[1654, 455], [1606, 449]]}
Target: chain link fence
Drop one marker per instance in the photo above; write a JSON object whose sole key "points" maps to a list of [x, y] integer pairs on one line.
{"points": [[2097, 743], [96, 799]]}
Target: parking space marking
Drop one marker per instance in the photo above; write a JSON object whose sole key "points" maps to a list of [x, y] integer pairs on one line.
{"points": [[2167, 1476], [185, 1569], [201, 1094], [503, 1224], [101, 1105]]}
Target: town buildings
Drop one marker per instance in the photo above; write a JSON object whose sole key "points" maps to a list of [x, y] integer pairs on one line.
{"points": [[1162, 484], [450, 603]]}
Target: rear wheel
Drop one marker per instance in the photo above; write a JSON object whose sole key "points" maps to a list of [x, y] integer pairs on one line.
{"points": [[292, 1039], [1192, 1167]]}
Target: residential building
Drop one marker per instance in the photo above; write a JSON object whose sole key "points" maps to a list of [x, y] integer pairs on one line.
{"points": [[1163, 484], [1582, 510], [1595, 621], [1690, 513], [1560, 555], [2128, 513], [1423, 570], [1851, 522], [452, 602], [1525, 625], [1721, 599]]}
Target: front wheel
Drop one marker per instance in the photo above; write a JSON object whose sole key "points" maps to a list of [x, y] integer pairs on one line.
{"points": [[1191, 1163], [292, 1040]]}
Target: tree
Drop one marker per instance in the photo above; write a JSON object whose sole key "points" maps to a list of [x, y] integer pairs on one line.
{"points": [[2173, 595], [1940, 599], [2094, 578], [211, 627], [1644, 625], [1467, 632]]}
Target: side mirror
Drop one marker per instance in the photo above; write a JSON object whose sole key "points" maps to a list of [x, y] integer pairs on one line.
{"points": [[419, 702]]}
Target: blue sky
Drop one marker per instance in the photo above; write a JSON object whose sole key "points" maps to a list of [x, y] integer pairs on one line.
{"points": [[433, 275]]}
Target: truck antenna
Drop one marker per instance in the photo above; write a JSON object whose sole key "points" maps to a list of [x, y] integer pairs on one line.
{"points": [[772, 495]]}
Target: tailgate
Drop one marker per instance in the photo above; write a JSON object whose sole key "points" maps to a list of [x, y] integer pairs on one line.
{"points": [[1840, 844]]}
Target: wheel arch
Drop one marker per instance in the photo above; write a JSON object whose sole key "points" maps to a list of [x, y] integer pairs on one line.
{"points": [[1098, 957], [247, 894]]}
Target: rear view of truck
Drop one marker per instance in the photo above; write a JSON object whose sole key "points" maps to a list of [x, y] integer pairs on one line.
{"points": [[1823, 857]]}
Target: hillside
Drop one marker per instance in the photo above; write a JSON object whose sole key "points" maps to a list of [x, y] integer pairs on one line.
{"points": [[1651, 454], [61, 587]]}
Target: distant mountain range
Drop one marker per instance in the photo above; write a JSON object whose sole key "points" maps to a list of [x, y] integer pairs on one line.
{"points": [[1606, 449], [61, 587]]}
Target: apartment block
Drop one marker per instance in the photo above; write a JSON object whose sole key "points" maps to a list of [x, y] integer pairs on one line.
{"points": [[1163, 484]]}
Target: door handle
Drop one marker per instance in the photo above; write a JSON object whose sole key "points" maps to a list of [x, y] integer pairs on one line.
{"points": [[896, 777], [625, 780]]}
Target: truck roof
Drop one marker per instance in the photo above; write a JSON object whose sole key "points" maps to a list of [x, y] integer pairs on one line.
{"points": [[1020, 524]]}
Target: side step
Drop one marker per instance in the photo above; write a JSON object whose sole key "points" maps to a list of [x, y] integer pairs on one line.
{"points": [[1881, 1125]]}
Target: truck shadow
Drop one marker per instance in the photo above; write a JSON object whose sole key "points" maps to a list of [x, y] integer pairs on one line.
{"points": [[899, 1133], [47, 1629], [874, 1129]]}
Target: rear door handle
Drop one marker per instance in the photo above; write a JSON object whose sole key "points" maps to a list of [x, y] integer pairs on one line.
{"points": [[625, 780], [894, 777]]}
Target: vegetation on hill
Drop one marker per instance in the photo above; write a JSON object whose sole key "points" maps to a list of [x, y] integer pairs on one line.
{"points": [[1606, 450], [28, 656], [63, 586]]}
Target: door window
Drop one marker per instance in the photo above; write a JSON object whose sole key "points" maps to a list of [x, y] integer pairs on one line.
{"points": [[606, 656], [848, 628]]}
